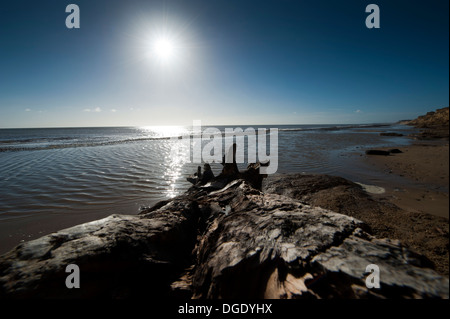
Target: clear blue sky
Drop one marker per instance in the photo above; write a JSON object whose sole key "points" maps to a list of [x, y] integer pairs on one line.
{"points": [[234, 62]]}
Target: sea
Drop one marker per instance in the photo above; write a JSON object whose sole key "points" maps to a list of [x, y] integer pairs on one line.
{"points": [[53, 178]]}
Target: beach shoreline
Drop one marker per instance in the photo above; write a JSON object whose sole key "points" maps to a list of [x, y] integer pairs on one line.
{"points": [[422, 172]]}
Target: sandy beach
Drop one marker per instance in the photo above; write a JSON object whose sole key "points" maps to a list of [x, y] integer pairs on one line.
{"points": [[416, 182], [423, 171]]}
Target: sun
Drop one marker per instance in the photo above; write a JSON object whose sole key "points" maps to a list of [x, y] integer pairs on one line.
{"points": [[164, 49]]}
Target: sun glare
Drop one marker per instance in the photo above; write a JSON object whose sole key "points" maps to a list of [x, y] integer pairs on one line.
{"points": [[163, 49]]}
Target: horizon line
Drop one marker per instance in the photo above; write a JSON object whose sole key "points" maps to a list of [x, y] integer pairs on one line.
{"points": [[210, 125]]}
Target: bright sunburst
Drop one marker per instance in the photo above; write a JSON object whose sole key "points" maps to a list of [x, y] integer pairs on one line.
{"points": [[166, 45], [163, 49]]}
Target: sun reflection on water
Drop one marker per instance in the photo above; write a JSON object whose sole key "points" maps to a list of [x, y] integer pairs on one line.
{"points": [[165, 131], [176, 154], [176, 157]]}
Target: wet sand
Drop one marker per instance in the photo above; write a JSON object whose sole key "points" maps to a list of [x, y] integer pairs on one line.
{"points": [[424, 169]]}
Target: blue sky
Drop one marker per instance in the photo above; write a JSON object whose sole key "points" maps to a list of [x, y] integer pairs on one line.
{"points": [[235, 62]]}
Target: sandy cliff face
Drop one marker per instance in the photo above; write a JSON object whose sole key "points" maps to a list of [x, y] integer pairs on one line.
{"points": [[434, 124], [432, 119]]}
